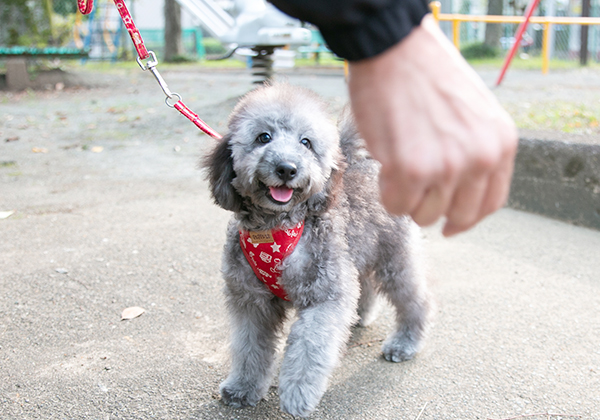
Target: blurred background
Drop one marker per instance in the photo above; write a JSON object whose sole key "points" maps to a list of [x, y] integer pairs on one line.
{"points": [[199, 30], [177, 30]]}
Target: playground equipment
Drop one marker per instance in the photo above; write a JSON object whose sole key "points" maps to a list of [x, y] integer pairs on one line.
{"points": [[253, 24], [104, 32], [101, 35], [253, 28], [546, 23], [147, 61]]}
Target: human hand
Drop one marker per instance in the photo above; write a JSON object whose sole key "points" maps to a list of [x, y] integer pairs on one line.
{"points": [[446, 145]]}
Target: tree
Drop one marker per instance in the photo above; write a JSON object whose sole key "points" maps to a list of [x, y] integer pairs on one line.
{"points": [[583, 52], [173, 43], [24, 23], [493, 31]]}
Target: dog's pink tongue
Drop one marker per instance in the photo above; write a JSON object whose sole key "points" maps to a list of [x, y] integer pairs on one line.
{"points": [[282, 194]]}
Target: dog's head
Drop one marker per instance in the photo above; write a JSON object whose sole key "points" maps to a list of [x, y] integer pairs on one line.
{"points": [[282, 150]]}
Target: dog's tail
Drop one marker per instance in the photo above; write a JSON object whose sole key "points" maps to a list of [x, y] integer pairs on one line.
{"points": [[352, 144]]}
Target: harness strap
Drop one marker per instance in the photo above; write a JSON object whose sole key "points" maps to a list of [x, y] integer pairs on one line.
{"points": [[265, 251]]}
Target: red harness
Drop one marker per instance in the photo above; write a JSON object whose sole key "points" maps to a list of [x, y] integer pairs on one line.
{"points": [[265, 251]]}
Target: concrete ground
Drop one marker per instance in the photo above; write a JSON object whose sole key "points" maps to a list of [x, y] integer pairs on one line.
{"points": [[111, 212]]}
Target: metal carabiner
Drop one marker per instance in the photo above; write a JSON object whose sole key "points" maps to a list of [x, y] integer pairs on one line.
{"points": [[152, 62], [174, 97], [151, 65]]}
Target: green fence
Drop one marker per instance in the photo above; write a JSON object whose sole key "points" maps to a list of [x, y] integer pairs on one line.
{"points": [[191, 38]]}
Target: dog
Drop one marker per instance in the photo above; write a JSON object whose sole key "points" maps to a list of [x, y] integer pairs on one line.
{"points": [[288, 173]]}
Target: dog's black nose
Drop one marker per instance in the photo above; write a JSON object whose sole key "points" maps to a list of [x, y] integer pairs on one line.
{"points": [[286, 171]]}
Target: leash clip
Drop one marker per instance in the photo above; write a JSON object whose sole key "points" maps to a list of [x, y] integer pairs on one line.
{"points": [[152, 62], [151, 65], [172, 100]]}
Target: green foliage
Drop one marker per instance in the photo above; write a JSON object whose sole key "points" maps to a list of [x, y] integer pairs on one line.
{"points": [[213, 46], [568, 117], [24, 23], [36, 23], [182, 59], [65, 7], [62, 28], [478, 50]]}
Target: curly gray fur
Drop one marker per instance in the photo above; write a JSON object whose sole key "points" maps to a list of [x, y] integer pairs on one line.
{"points": [[351, 250]]}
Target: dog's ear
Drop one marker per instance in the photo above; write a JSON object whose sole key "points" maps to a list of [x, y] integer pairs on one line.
{"points": [[219, 166], [323, 200]]}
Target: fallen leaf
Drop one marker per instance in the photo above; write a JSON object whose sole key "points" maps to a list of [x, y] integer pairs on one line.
{"points": [[61, 270], [39, 150], [6, 214], [14, 138], [132, 312], [97, 149]]}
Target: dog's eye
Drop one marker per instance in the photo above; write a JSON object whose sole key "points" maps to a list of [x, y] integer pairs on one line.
{"points": [[264, 138], [306, 142]]}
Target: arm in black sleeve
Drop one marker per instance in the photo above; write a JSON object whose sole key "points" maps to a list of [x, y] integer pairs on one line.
{"points": [[358, 29]]}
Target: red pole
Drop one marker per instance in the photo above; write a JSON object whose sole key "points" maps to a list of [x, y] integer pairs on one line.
{"points": [[520, 30]]}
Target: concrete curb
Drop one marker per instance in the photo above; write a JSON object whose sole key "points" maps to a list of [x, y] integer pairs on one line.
{"points": [[558, 179]]}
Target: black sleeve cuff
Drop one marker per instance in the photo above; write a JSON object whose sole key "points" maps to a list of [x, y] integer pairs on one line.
{"points": [[379, 30]]}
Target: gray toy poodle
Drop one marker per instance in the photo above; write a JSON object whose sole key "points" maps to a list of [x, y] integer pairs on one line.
{"points": [[308, 233]]}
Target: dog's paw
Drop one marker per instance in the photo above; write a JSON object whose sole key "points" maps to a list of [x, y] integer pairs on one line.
{"points": [[238, 396], [298, 401], [400, 347]]}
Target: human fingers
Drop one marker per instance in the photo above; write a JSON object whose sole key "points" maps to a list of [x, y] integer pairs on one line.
{"points": [[465, 210], [498, 189], [500, 180], [492, 191], [495, 186], [391, 183], [433, 205]]}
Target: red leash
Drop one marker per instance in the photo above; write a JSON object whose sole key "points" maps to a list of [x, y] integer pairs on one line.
{"points": [[86, 6]]}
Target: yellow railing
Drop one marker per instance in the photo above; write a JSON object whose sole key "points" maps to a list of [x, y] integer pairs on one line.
{"points": [[545, 21]]}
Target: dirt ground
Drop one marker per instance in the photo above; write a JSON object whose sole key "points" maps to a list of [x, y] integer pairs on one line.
{"points": [[111, 212]]}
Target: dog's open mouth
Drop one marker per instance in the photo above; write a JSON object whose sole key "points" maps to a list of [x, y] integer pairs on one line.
{"points": [[281, 195]]}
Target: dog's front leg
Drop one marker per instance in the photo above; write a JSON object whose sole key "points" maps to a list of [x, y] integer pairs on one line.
{"points": [[314, 346], [255, 328]]}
